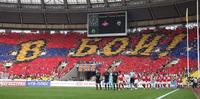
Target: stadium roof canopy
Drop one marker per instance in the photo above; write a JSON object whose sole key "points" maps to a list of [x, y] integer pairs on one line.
{"points": [[74, 12]]}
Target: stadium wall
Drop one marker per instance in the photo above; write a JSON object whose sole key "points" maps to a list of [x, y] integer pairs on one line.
{"points": [[33, 83]]}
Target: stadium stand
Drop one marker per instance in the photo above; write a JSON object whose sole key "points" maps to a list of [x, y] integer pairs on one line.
{"points": [[35, 55]]}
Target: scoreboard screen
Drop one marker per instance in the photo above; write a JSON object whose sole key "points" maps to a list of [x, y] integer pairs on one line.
{"points": [[107, 24]]}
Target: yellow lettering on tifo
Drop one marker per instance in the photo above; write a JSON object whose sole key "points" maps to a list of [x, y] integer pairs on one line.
{"points": [[33, 47]]}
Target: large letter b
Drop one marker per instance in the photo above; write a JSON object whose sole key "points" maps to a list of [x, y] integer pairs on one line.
{"points": [[30, 50]]}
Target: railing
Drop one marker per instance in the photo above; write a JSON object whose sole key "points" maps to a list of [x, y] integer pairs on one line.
{"points": [[84, 26], [111, 4]]}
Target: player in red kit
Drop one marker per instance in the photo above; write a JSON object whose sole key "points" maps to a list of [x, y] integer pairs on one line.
{"points": [[169, 81], [161, 81], [121, 80], [136, 81], [157, 81], [164, 82], [179, 82], [148, 81], [144, 81]]}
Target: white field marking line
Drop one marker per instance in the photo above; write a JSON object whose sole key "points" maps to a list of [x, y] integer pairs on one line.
{"points": [[195, 94], [167, 94]]}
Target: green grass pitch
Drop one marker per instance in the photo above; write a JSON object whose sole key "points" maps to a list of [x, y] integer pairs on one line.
{"points": [[89, 93]]}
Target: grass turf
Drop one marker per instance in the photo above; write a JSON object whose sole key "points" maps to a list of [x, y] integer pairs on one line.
{"points": [[89, 93]]}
